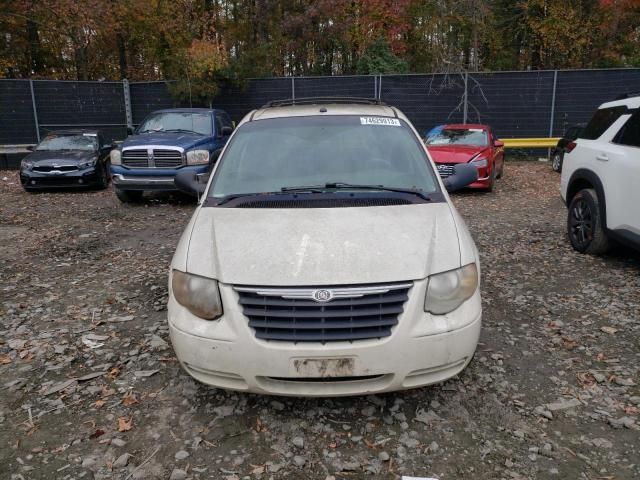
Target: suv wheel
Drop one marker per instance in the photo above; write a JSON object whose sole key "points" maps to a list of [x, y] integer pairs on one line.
{"points": [[129, 196], [556, 162], [584, 223]]}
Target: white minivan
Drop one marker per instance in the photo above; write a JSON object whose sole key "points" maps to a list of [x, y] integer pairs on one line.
{"points": [[325, 258]]}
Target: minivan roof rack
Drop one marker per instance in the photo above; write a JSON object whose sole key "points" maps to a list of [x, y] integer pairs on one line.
{"points": [[622, 96], [319, 100]]}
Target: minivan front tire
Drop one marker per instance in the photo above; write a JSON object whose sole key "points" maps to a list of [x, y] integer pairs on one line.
{"points": [[585, 224], [129, 196]]}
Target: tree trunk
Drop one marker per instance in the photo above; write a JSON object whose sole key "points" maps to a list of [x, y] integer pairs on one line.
{"points": [[122, 55]]}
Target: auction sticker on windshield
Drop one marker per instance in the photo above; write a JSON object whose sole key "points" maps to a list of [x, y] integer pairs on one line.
{"points": [[392, 122]]}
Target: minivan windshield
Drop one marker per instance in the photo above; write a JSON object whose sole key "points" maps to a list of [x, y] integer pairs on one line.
{"points": [[458, 136], [199, 123], [282, 153]]}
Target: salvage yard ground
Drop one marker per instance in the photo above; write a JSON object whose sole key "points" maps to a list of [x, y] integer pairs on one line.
{"points": [[90, 387]]}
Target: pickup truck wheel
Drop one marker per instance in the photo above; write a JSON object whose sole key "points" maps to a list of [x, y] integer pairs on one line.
{"points": [[129, 196], [584, 223]]}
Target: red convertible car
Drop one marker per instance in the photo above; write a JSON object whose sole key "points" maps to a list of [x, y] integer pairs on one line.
{"points": [[467, 143]]}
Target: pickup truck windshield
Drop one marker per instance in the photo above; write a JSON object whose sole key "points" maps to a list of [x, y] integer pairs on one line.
{"points": [[199, 123], [276, 154]]}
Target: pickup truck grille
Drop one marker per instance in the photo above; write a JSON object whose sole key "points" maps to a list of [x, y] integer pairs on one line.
{"points": [[352, 313], [445, 169], [152, 158]]}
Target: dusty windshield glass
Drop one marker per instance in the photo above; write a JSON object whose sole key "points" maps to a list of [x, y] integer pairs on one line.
{"points": [[271, 155], [177, 121], [458, 136], [68, 142]]}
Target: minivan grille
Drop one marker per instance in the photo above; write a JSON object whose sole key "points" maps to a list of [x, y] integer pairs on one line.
{"points": [[354, 313], [160, 158], [445, 169]]}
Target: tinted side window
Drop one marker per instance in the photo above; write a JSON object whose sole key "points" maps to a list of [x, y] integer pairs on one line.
{"points": [[226, 120], [601, 121], [629, 134], [572, 133]]}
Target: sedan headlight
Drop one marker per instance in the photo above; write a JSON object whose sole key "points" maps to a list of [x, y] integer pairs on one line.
{"points": [[26, 165], [480, 162], [447, 291], [87, 163], [200, 295], [197, 157], [116, 157]]}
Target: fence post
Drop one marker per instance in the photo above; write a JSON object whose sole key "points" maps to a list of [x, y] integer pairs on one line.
{"points": [[35, 111], [375, 87], [127, 102], [553, 103], [293, 88], [465, 103]]}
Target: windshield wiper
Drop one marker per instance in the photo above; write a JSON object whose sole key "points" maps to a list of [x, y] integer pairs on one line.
{"points": [[352, 186], [182, 130], [233, 196]]}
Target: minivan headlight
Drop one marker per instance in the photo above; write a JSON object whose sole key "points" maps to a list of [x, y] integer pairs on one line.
{"points": [[200, 295], [197, 157], [447, 291], [116, 157]]}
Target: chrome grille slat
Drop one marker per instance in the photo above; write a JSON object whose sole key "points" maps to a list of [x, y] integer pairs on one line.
{"points": [[445, 169], [354, 313], [160, 158]]}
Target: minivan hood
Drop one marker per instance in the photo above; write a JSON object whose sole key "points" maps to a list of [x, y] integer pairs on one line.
{"points": [[454, 153], [170, 139], [323, 246]]}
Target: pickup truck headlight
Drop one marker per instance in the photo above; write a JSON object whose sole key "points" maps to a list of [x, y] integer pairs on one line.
{"points": [[197, 157], [200, 295], [480, 162], [447, 291], [116, 157]]}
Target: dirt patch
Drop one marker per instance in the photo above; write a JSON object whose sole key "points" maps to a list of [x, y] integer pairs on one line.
{"points": [[90, 388]]}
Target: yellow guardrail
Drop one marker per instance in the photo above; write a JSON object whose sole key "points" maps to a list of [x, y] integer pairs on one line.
{"points": [[545, 142]]}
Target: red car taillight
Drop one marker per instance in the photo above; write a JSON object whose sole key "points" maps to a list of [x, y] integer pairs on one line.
{"points": [[570, 146]]}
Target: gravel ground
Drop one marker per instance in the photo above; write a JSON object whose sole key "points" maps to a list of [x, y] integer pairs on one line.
{"points": [[90, 387]]}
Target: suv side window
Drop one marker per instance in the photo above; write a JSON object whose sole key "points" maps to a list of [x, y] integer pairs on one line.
{"points": [[601, 121], [629, 134]]}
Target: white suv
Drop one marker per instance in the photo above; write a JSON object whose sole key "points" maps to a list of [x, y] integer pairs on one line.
{"points": [[600, 180], [325, 258]]}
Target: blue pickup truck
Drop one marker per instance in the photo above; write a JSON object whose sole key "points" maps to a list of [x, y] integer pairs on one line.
{"points": [[166, 143]]}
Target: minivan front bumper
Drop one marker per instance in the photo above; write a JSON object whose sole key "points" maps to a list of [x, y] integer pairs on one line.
{"points": [[423, 349]]}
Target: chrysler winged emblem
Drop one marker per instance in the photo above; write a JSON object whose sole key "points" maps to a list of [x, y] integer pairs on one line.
{"points": [[322, 295]]}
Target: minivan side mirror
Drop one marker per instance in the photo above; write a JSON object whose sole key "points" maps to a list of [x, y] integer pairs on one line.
{"points": [[226, 130], [30, 148], [464, 174], [189, 183], [498, 144]]}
